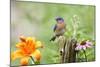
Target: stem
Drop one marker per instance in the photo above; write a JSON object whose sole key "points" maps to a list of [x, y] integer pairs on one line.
{"points": [[85, 55], [77, 56], [32, 59]]}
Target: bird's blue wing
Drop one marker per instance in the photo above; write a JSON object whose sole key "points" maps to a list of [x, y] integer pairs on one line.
{"points": [[55, 27]]}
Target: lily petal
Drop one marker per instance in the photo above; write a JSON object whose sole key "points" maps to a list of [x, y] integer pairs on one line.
{"points": [[20, 45], [30, 43], [16, 54], [36, 55], [38, 45], [24, 61]]}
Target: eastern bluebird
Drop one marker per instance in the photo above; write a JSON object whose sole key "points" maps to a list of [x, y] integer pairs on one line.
{"points": [[59, 28]]}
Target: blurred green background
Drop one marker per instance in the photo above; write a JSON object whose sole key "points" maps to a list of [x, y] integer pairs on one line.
{"points": [[37, 20]]}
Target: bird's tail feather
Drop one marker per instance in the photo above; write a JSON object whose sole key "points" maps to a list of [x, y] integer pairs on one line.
{"points": [[53, 38]]}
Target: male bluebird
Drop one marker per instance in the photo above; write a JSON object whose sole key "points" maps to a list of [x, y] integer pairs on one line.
{"points": [[59, 28]]}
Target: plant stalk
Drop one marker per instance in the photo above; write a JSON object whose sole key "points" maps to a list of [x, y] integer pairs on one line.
{"points": [[32, 59], [85, 55]]}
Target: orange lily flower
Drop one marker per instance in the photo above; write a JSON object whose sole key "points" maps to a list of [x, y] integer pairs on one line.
{"points": [[27, 48]]}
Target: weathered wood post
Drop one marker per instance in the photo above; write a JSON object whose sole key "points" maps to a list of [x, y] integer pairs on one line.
{"points": [[61, 43], [67, 49], [70, 53]]}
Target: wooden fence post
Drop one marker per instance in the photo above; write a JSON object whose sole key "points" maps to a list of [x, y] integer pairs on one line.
{"points": [[70, 53], [67, 49]]}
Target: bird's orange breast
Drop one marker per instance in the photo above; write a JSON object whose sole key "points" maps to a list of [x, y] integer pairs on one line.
{"points": [[60, 26]]}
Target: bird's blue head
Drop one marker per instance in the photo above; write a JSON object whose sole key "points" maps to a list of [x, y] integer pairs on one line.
{"points": [[60, 20]]}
